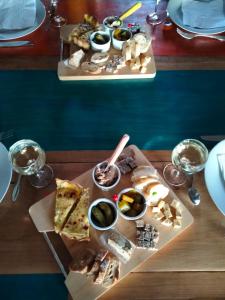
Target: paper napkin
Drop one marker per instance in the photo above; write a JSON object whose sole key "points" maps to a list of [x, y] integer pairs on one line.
{"points": [[17, 14], [203, 14], [221, 162]]}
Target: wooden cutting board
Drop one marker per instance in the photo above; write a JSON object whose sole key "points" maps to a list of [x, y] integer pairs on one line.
{"points": [[79, 286], [68, 73]]}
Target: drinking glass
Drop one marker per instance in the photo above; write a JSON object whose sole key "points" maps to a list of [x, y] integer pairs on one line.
{"points": [[188, 158], [28, 158], [56, 20], [158, 15]]}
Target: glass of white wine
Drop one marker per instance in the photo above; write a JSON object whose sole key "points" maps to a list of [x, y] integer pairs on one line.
{"points": [[158, 14], [28, 158], [188, 158]]}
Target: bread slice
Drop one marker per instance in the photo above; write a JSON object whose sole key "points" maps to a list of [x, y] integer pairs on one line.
{"points": [[67, 195], [155, 191], [141, 182], [90, 67], [77, 225], [112, 273]]}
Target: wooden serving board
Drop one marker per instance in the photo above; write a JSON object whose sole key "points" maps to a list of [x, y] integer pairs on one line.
{"points": [[68, 73], [81, 287]]}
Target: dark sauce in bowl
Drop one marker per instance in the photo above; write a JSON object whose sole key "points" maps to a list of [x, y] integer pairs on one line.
{"points": [[136, 208]]}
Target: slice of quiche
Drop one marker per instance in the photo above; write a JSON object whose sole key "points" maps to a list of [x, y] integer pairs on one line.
{"points": [[67, 195], [77, 226]]}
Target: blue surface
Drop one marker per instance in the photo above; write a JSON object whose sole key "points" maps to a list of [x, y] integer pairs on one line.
{"points": [[35, 287], [93, 115]]}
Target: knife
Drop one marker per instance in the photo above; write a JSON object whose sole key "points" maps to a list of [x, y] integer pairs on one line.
{"points": [[16, 44]]}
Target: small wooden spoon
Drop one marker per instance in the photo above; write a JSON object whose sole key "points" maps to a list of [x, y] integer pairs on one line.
{"points": [[117, 151]]}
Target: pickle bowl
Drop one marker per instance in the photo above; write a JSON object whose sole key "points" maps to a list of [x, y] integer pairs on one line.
{"points": [[131, 204], [100, 41], [102, 214], [108, 21], [120, 36]]}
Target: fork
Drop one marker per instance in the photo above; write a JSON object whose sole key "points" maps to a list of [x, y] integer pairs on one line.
{"points": [[189, 36]]}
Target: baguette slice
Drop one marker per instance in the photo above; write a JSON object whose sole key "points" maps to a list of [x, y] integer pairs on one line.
{"points": [[67, 195]]}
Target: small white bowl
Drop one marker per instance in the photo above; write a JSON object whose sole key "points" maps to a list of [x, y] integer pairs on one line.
{"points": [[100, 47], [118, 44], [102, 187], [108, 20], [141, 214], [96, 202]]}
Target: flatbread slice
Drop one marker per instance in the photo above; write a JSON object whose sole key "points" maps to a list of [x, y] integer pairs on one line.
{"points": [[77, 226], [67, 195]]}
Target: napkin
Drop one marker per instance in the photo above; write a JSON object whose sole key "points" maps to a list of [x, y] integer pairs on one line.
{"points": [[221, 162], [17, 14], [203, 14]]}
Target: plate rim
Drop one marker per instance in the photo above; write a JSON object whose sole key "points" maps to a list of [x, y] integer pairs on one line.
{"points": [[212, 156], [25, 32], [5, 151], [173, 5]]}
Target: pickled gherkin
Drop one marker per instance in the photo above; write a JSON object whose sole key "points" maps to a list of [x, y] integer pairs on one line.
{"points": [[107, 211], [99, 216]]}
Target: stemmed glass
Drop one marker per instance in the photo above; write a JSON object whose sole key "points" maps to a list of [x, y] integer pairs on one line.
{"points": [[55, 19], [188, 158], [28, 158], [158, 15]]}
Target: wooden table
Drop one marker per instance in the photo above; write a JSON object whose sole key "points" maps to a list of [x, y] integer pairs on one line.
{"points": [[45, 52], [191, 266]]}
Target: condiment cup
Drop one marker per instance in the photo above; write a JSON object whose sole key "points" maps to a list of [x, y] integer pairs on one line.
{"points": [[102, 187], [95, 203], [100, 47], [141, 214], [118, 44], [109, 20]]}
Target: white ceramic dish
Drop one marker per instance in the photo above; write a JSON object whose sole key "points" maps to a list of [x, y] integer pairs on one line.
{"points": [[100, 47], [14, 34], [96, 202], [5, 171], [125, 216], [109, 29], [118, 44], [213, 179], [175, 13], [102, 187]]}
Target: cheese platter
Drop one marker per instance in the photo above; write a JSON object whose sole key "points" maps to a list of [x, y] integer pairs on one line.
{"points": [[92, 51], [144, 212]]}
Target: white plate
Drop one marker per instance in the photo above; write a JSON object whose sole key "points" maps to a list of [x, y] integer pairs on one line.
{"points": [[14, 34], [5, 171], [213, 179], [176, 15]]}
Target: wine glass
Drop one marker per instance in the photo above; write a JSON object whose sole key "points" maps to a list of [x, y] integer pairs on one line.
{"points": [[55, 19], [158, 15], [188, 158], [28, 158]]}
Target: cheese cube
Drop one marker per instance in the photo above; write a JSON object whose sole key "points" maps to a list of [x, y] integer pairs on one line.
{"points": [[167, 222], [158, 216], [175, 203], [176, 223], [155, 209], [161, 204]]}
